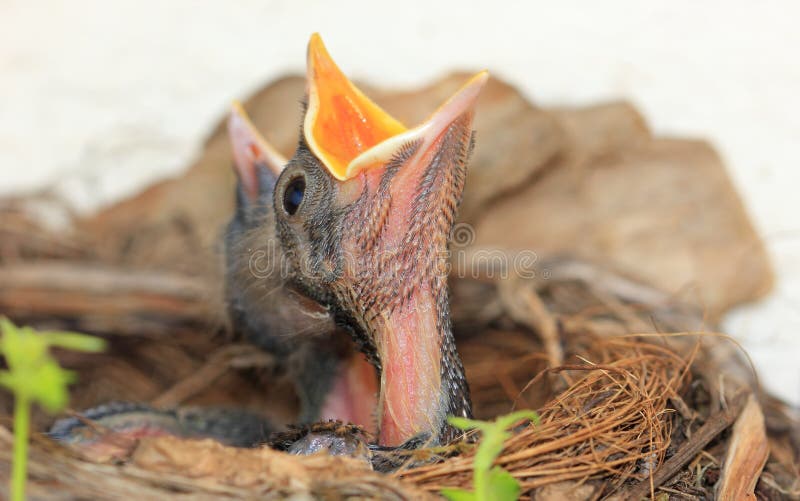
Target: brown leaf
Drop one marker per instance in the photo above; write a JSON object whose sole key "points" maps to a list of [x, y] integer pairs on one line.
{"points": [[663, 210]]}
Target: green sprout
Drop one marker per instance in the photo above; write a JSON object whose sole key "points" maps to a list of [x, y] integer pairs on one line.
{"points": [[489, 483], [34, 376]]}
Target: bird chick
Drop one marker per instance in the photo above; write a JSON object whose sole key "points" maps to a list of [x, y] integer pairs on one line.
{"points": [[363, 214]]}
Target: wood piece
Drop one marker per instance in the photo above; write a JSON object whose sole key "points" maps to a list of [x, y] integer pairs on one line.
{"points": [[748, 451], [169, 468], [113, 297]]}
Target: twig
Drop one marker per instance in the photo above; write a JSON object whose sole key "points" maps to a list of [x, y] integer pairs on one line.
{"points": [[525, 306], [114, 298]]}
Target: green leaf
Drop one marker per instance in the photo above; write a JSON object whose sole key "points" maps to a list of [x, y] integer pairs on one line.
{"points": [[501, 486], [466, 424], [75, 341], [490, 483], [509, 419], [34, 374], [458, 495], [50, 390], [491, 447], [6, 380], [20, 348]]}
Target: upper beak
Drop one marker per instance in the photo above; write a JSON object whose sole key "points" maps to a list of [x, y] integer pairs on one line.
{"points": [[460, 105]]}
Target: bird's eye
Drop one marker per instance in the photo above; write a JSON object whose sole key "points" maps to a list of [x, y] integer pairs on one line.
{"points": [[293, 195]]}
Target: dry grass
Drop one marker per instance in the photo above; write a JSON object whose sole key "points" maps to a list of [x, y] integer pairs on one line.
{"points": [[612, 422]]}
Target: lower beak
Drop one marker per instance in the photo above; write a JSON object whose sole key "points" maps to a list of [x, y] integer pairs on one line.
{"points": [[421, 378]]}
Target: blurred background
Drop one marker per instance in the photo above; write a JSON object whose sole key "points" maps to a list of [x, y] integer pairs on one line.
{"points": [[100, 99]]}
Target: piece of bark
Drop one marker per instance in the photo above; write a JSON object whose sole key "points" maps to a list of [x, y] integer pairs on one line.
{"points": [[748, 451], [602, 129], [198, 470], [526, 307], [105, 298], [566, 491], [265, 469]]}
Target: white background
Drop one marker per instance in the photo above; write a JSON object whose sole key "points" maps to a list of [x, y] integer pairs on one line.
{"points": [[106, 96]]}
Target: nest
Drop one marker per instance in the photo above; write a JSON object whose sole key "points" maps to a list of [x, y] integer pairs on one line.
{"points": [[616, 407]]}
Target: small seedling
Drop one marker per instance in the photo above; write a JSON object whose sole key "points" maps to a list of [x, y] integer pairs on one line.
{"points": [[34, 376], [489, 483]]}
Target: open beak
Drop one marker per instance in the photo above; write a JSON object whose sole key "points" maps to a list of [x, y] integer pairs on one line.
{"points": [[402, 188]]}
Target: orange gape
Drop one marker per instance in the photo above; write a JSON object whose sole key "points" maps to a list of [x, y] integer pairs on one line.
{"points": [[341, 122]]}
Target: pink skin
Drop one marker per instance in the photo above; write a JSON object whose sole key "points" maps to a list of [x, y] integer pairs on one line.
{"points": [[410, 379], [353, 397]]}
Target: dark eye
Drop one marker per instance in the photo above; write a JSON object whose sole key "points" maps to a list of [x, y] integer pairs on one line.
{"points": [[293, 195]]}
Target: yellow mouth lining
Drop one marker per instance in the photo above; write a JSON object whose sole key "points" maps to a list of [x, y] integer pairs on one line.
{"points": [[341, 122]]}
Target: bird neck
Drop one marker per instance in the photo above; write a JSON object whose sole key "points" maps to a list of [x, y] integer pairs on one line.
{"points": [[422, 378]]}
